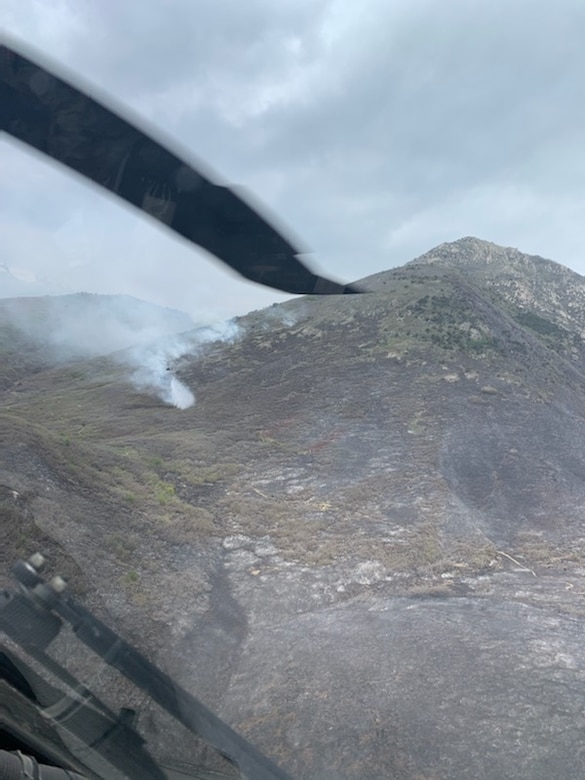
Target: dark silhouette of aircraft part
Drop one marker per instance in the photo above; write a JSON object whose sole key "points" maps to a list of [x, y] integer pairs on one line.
{"points": [[33, 614], [60, 120]]}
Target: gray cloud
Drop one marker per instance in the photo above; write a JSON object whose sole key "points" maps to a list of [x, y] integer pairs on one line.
{"points": [[375, 130]]}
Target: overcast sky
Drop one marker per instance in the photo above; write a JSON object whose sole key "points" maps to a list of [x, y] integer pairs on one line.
{"points": [[374, 129]]}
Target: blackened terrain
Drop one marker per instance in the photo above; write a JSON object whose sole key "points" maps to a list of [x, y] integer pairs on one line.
{"points": [[364, 545]]}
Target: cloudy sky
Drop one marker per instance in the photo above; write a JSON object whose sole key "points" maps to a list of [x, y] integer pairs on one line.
{"points": [[375, 130]]}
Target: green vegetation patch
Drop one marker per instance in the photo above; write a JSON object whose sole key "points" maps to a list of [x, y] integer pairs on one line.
{"points": [[443, 317], [540, 325]]}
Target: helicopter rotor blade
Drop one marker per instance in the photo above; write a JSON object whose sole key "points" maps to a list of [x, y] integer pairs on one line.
{"points": [[64, 122]]}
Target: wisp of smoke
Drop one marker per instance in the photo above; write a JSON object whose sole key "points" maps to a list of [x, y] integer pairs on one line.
{"points": [[154, 362], [83, 325], [141, 336], [145, 338], [287, 314], [181, 396]]}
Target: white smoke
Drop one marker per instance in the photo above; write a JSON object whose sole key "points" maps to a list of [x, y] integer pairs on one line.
{"points": [[289, 319], [80, 326], [156, 362], [286, 314], [147, 340], [180, 395]]}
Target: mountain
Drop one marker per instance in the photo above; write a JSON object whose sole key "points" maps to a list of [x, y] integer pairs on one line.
{"points": [[363, 544]]}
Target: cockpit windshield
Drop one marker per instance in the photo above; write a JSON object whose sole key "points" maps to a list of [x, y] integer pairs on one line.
{"points": [[266, 514]]}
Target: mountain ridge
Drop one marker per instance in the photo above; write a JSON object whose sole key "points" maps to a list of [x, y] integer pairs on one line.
{"points": [[412, 458], [520, 279]]}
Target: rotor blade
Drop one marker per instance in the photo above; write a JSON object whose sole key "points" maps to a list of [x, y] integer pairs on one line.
{"points": [[68, 125]]}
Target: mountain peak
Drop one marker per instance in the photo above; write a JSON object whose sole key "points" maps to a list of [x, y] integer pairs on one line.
{"points": [[475, 252], [523, 283]]}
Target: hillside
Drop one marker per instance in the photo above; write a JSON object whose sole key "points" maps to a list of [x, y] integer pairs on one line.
{"points": [[364, 543]]}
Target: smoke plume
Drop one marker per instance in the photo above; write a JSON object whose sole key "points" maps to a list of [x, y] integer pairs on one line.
{"points": [[155, 362], [147, 340]]}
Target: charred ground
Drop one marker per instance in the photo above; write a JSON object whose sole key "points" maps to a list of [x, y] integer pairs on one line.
{"points": [[384, 491]]}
